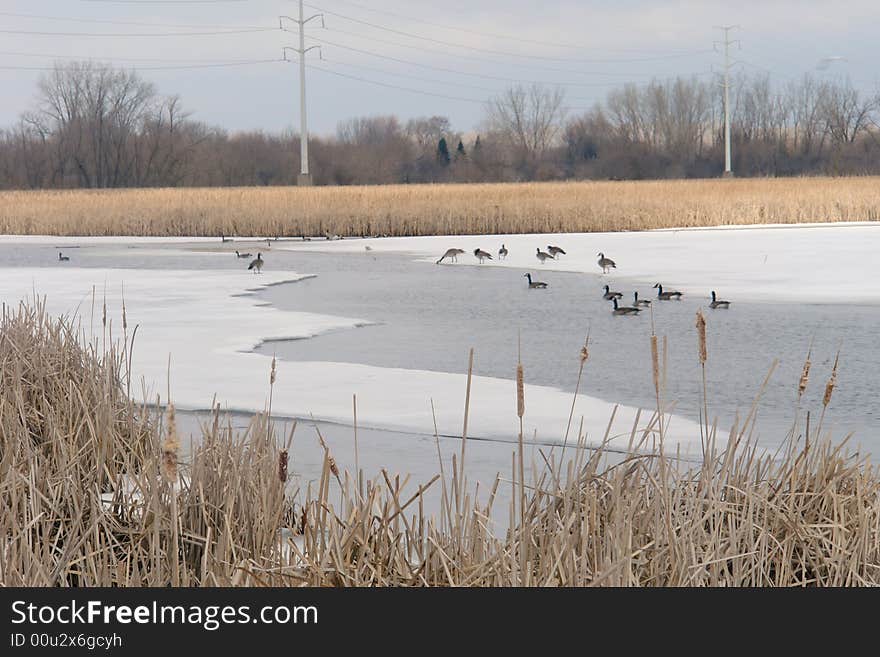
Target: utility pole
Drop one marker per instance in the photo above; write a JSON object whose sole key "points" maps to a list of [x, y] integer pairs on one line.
{"points": [[305, 178], [726, 42]]}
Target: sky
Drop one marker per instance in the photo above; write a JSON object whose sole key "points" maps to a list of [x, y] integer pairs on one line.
{"points": [[419, 58]]}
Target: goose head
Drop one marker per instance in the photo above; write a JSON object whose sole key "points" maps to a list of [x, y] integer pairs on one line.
{"points": [[713, 295]]}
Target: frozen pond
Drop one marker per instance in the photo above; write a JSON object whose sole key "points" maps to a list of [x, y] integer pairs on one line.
{"points": [[426, 317]]}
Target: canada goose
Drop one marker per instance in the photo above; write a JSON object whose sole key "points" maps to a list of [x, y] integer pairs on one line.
{"points": [[543, 256], [609, 295], [482, 255], [502, 252], [555, 251], [624, 310], [62, 258], [452, 254], [718, 303], [368, 248], [640, 303], [666, 296], [606, 263], [243, 255], [223, 238], [257, 264], [268, 243], [535, 285]]}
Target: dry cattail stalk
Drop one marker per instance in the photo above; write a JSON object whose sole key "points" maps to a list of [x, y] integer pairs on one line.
{"points": [[655, 363], [282, 466], [520, 392], [805, 376], [832, 381], [170, 446], [701, 334]]}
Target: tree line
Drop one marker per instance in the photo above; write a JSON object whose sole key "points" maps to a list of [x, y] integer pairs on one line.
{"points": [[96, 126]]}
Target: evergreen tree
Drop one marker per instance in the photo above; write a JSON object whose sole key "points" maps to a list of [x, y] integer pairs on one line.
{"points": [[442, 152]]}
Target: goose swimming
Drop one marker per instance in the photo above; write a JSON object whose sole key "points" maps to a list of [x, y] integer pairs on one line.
{"points": [[718, 303], [243, 255], [640, 303], [609, 295], [624, 310], [62, 258], [666, 296], [535, 285]]}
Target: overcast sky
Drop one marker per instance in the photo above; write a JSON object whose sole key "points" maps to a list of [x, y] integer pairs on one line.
{"points": [[463, 52]]}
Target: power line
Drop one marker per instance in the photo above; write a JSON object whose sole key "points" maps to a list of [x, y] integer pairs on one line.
{"points": [[138, 34], [518, 39], [135, 23], [466, 73], [479, 59], [156, 68], [504, 53], [116, 59]]}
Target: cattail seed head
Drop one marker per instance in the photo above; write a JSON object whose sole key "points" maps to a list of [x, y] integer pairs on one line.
{"points": [[832, 381], [701, 335], [170, 446], [585, 354], [282, 466], [333, 468], [272, 374], [124, 318], [520, 392], [805, 377]]}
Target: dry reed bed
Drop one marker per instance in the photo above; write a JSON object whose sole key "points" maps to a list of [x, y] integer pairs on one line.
{"points": [[93, 492], [401, 210]]}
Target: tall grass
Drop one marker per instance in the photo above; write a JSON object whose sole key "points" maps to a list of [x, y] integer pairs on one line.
{"points": [[91, 493], [439, 209]]}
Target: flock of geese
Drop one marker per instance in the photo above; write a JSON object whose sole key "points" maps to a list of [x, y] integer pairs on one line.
{"points": [[605, 263]]}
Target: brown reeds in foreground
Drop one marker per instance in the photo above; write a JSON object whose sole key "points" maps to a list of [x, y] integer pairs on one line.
{"points": [[550, 207], [83, 502]]}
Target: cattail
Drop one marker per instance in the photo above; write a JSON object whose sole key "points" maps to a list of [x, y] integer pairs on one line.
{"points": [[585, 354], [805, 376], [104, 313], [124, 319], [655, 363], [272, 374], [282, 466], [701, 334], [333, 468], [829, 387], [169, 448]]}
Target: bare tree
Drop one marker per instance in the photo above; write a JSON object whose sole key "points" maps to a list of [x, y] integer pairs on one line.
{"points": [[528, 119], [847, 114]]}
